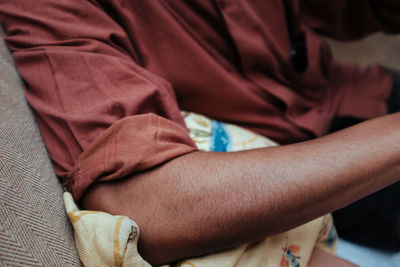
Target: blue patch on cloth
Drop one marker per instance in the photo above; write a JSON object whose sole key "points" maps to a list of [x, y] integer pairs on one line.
{"points": [[220, 140]]}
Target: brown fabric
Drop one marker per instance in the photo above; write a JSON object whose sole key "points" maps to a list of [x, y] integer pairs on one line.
{"points": [[121, 150], [88, 64], [34, 228], [351, 19]]}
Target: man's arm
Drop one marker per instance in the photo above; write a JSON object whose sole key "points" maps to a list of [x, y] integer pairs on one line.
{"points": [[206, 201]]}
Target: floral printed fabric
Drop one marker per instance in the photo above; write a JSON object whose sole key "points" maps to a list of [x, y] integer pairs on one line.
{"points": [[212, 135], [106, 240]]}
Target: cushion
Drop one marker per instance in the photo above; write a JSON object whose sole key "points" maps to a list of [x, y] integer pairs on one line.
{"points": [[34, 229]]}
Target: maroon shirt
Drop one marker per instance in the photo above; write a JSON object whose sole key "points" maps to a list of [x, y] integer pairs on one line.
{"points": [[107, 79]]}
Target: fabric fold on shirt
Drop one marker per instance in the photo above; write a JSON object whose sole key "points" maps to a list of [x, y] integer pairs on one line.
{"points": [[133, 144]]}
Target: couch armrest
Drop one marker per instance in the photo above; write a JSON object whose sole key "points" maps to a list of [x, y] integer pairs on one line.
{"points": [[34, 228]]}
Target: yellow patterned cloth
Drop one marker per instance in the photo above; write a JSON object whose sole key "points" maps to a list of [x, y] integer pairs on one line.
{"points": [[103, 239], [106, 240]]}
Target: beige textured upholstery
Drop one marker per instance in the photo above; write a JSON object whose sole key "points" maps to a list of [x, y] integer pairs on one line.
{"points": [[34, 229]]}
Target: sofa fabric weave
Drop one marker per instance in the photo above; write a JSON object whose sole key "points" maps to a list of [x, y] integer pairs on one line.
{"points": [[34, 228]]}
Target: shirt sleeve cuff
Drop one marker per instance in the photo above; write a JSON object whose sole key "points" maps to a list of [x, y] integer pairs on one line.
{"points": [[130, 145]]}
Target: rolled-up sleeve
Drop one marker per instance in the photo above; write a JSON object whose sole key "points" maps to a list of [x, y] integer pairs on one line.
{"points": [[101, 115], [351, 19]]}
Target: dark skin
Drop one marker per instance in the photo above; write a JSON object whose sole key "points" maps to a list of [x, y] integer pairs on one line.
{"points": [[225, 199]]}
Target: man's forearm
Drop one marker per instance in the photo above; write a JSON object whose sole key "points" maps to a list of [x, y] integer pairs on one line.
{"points": [[206, 201]]}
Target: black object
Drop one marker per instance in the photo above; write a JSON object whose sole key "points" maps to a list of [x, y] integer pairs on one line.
{"points": [[298, 52]]}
